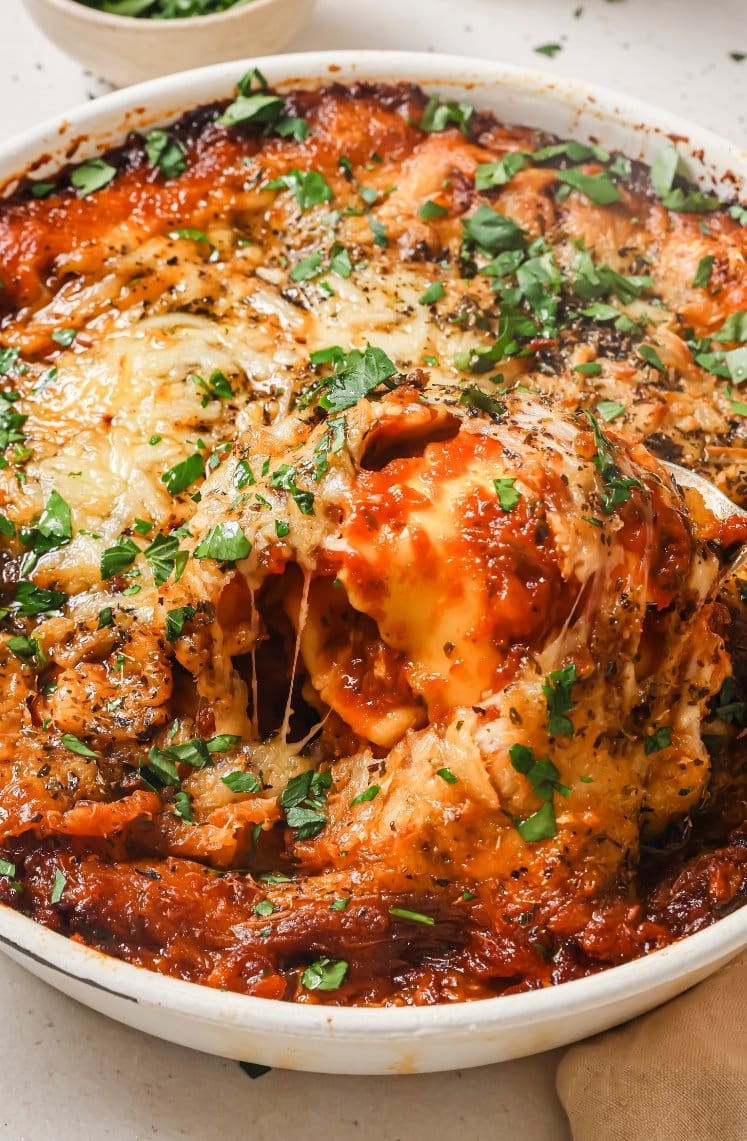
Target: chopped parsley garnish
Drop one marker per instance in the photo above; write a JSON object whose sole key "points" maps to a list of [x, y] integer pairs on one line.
{"points": [[303, 801], [550, 50], [738, 407], [617, 487], [331, 443], [164, 557], [64, 337], [324, 974], [7, 870], [29, 599], [225, 542], [263, 908], [256, 108], [433, 293], [430, 210], [734, 329], [447, 775], [340, 904], [370, 793], [664, 171], [489, 174], [54, 529], [437, 116], [475, 398], [598, 187], [356, 375], [91, 176], [58, 886], [730, 708], [558, 689], [609, 410], [703, 272], [216, 388], [165, 153], [119, 557], [285, 478], [661, 739], [182, 475], [544, 779], [241, 782], [508, 496], [649, 354], [75, 745], [378, 229], [106, 618], [309, 187], [42, 189], [412, 916], [183, 806], [308, 268], [492, 232], [28, 650]]}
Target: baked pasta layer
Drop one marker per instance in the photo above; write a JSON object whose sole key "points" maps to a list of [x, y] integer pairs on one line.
{"points": [[357, 645]]}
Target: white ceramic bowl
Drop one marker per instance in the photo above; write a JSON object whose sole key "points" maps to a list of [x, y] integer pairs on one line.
{"points": [[403, 1040], [125, 49]]}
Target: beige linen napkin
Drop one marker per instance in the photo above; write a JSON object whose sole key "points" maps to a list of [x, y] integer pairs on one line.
{"points": [[678, 1074]]}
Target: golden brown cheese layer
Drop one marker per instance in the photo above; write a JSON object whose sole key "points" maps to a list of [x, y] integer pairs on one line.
{"points": [[356, 645]]}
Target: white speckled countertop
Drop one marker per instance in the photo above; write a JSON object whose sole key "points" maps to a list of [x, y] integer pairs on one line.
{"points": [[71, 1075]]}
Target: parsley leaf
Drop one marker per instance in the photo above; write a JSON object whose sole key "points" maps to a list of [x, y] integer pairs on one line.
{"points": [[58, 886], [256, 108], [412, 916], [370, 793], [492, 232], [430, 210], [91, 176], [474, 397], [64, 337], [734, 328], [177, 619], [432, 294], [324, 974], [29, 599], [225, 542], [242, 782], [609, 410], [28, 650], [437, 115], [490, 174], [119, 557], [165, 153], [597, 187], [649, 354], [703, 272], [661, 739], [618, 487], [508, 496], [356, 376], [664, 170], [558, 688], [309, 187], [75, 745], [182, 475]]}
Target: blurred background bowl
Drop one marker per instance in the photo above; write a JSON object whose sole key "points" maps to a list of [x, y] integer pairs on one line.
{"points": [[127, 49]]}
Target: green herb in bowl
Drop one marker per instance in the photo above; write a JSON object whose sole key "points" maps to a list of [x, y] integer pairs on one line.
{"points": [[163, 9]]}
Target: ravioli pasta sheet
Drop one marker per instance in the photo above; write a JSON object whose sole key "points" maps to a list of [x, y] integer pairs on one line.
{"points": [[356, 644]]}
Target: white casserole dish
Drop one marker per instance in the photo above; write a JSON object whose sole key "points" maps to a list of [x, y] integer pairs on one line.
{"points": [[402, 1040]]}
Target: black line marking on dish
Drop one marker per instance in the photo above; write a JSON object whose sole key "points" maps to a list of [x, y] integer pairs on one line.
{"points": [[61, 970]]}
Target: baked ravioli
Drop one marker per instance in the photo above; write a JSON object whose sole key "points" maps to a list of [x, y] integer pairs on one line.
{"points": [[356, 643]]}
